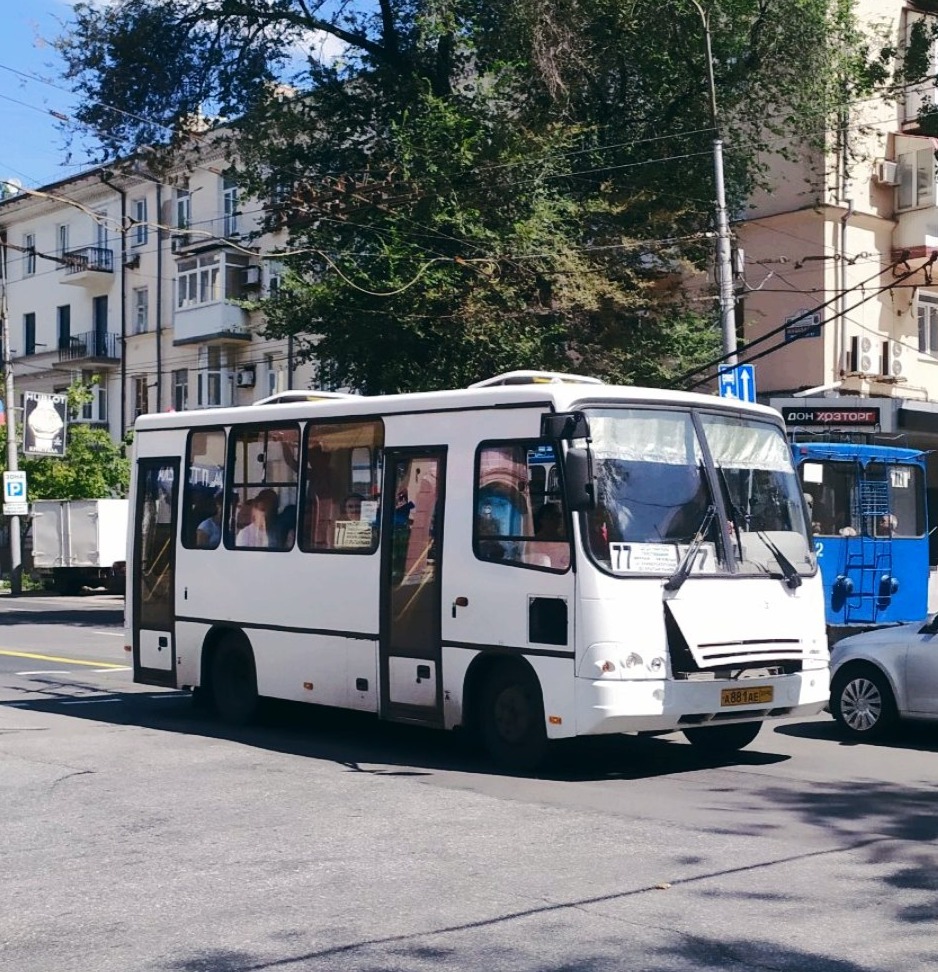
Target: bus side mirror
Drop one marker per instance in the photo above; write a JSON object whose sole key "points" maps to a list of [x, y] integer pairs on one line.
{"points": [[578, 480], [564, 425]]}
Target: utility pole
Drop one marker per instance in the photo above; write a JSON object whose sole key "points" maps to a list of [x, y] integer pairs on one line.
{"points": [[724, 256], [16, 558]]}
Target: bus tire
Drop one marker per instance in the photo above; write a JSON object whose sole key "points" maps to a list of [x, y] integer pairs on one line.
{"points": [[723, 740], [234, 682], [511, 719], [862, 702]]}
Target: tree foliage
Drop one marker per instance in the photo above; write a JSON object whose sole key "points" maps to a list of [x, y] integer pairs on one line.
{"points": [[470, 186], [93, 467]]}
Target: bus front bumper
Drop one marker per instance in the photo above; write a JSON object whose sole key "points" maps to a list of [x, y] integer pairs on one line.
{"points": [[659, 705]]}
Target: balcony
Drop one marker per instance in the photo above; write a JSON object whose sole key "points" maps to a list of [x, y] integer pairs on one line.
{"points": [[91, 266], [220, 322], [91, 348]]}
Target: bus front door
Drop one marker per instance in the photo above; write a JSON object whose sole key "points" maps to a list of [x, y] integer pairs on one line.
{"points": [[411, 681], [153, 572]]}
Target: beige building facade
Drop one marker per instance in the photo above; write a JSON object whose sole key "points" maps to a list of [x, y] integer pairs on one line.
{"points": [[839, 275], [138, 284]]}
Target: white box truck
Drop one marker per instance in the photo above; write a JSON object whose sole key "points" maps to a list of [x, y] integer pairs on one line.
{"points": [[80, 543]]}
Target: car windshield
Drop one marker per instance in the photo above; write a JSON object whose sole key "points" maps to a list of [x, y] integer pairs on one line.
{"points": [[762, 494], [652, 496]]}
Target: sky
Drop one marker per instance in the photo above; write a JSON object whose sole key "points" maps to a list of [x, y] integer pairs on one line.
{"points": [[34, 144], [33, 148]]}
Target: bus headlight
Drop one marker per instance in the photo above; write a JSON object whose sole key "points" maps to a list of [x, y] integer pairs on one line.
{"points": [[614, 660]]}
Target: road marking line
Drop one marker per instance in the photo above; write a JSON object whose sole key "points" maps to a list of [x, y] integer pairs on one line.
{"points": [[43, 673], [57, 658], [87, 701], [112, 634], [113, 668]]}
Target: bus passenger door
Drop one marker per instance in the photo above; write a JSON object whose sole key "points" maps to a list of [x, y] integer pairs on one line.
{"points": [[410, 648], [153, 572]]}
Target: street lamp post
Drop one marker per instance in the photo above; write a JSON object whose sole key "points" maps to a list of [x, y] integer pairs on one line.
{"points": [[16, 559], [724, 260]]}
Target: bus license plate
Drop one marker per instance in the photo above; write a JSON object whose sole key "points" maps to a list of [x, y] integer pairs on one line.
{"points": [[757, 695]]}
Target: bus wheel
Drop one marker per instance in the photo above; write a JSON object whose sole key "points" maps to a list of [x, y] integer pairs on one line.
{"points": [[862, 702], [511, 719], [234, 682], [723, 740]]}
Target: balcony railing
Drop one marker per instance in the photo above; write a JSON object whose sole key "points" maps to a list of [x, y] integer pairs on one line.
{"points": [[94, 258], [91, 345]]}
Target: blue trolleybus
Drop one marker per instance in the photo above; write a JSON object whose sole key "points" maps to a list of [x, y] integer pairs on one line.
{"points": [[868, 512]]}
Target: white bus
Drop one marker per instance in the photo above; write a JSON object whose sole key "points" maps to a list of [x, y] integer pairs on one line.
{"points": [[397, 555]]}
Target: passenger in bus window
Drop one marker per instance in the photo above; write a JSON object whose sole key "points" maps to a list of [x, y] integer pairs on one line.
{"points": [[208, 532], [887, 525], [262, 529], [352, 507]]}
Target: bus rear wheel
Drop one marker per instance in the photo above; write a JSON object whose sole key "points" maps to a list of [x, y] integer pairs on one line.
{"points": [[511, 719], [234, 682], [723, 740]]}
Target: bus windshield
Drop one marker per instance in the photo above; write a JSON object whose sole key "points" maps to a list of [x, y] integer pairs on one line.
{"points": [[762, 494], [653, 495]]}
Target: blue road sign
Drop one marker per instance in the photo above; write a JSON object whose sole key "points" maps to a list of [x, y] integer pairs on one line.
{"points": [[738, 382]]}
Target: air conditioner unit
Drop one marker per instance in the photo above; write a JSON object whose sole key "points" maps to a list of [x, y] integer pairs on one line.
{"points": [[178, 241], [252, 276], [246, 378], [886, 173]]}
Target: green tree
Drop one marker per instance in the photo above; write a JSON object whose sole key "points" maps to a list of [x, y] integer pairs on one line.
{"points": [[475, 186], [93, 467]]}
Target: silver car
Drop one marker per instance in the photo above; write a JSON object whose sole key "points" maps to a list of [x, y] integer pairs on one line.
{"points": [[881, 676]]}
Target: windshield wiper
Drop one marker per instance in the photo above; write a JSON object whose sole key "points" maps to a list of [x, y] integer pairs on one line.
{"points": [[674, 582], [792, 577]]}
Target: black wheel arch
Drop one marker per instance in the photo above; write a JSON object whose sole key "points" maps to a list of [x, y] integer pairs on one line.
{"points": [[216, 635], [481, 669]]}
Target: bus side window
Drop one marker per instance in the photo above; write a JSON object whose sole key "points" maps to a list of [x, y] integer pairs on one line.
{"points": [[517, 521], [340, 487], [263, 477], [203, 492]]}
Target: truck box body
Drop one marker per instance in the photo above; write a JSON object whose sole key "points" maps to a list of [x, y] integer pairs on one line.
{"points": [[80, 542]]}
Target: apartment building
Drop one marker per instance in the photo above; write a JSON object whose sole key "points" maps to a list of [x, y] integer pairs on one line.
{"points": [[838, 265], [137, 283]]}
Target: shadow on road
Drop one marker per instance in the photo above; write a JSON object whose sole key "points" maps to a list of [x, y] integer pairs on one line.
{"points": [[364, 744], [910, 735]]}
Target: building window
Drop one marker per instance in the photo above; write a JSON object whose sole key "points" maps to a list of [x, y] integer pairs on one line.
{"points": [[916, 179], [95, 410], [928, 324], [64, 321], [140, 229], [61, 239], [214, 380], [183, 209], [230, 205], [181, 389], [141, 306], [274, 277], [29, 256], [100, 230], [197, 281], [141, 396], [29, 333]]}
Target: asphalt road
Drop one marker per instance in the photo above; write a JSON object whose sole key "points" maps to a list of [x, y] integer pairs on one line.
{"points": [[140, 835]]}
